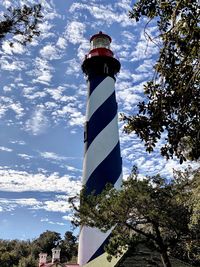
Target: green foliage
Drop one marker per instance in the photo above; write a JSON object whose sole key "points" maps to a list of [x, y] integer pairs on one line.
{"points": [[152, 209], [11, 251], [196, 199], [45, 242], [68, 247], [22, 22], [173, 93], [30, 261], [18, 253]]}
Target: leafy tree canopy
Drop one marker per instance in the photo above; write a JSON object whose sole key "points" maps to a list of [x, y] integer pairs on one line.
{"points": [[46, 241], [17, 253], [30, 261], [196, 198], [153, 209], [68, 246], [173, 94], [22, 22]]}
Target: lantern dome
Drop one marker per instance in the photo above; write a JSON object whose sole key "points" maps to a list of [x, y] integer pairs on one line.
{"points": [[100, 40], [100, 59]]}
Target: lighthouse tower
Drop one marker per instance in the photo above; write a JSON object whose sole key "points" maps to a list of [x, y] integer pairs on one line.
{"points": [[102, 158]]}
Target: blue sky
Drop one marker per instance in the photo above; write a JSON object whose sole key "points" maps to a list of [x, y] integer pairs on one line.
{"points": [[42, 110]]}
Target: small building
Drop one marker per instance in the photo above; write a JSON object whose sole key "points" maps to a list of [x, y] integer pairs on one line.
{"points": [[55, 261]]}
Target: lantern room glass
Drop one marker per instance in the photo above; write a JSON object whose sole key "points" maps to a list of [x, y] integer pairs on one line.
{"points": [[100, 42]]}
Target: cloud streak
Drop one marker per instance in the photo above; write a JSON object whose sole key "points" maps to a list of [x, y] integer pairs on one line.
{"points": [[21, 181], [38, 122]]}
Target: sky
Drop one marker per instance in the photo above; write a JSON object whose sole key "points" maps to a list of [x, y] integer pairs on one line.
{"points": [[42, 110]]}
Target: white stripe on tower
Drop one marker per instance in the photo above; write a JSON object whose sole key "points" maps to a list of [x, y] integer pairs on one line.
{"points": [[101, 147], [99, 95]]}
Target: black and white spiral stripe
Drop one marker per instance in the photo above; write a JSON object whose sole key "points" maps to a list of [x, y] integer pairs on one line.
{"points": [[102, 159]]}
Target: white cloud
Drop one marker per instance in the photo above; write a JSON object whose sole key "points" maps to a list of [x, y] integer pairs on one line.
{"points": [[146, 66], [83, 49], [34, 95], [144, 50], [44, 78], [56, 93], [27, 202], [127, 95], [77, 119], [124, 4], [61, 160], [74, 32], [124, 74], [73, 67], [42, 71], [21, 181], [51, 222], [17, 108], [105, 13], [12, 65], [6, 3], [62, 43], [6, 149], [139, 78], [129, 37], [44, 220], [45, 29], [134, 153], [71, 168], [7, 205], [14, 48], [49, 52], [38, 122], [68, 217], [57, 206], [34, 204], [71, 113], [25, 156], [7, 48], [19, 142], [52, 156], [7, 88], [50, 105], [7, 104]]}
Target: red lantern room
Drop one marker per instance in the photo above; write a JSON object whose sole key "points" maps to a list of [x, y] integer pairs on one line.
{"points": [[100, 59]]}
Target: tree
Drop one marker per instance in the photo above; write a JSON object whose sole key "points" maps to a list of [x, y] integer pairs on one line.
{"points": [[154, 209], [19, 253], [12, 251], [22, 22], [196, 198], [68, 246], [45, 242], [30, 261], [173, 94]]}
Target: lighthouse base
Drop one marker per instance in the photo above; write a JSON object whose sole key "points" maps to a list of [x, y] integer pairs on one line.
{"points": [[102, 261]]}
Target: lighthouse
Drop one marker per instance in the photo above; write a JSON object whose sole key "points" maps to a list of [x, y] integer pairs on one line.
{"points": [[102, 159]]}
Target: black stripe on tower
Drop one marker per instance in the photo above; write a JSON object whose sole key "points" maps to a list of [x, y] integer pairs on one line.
{"points": [[108, 171], [101, 118], [94, 81], [100, 250]]}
